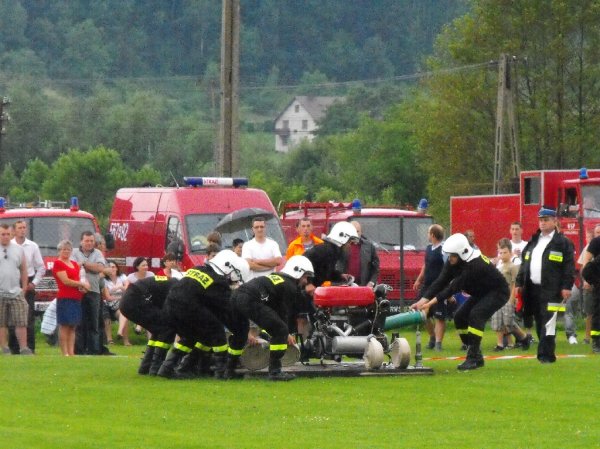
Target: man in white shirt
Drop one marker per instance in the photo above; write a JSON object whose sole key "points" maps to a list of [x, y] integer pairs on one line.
{"points": [[35, 272], [518, 244], [262, 253]]}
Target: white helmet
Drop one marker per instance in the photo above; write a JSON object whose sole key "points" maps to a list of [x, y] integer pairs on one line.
{"points": [[297, 267], [342, 232], [230, 265], [459, 245]]}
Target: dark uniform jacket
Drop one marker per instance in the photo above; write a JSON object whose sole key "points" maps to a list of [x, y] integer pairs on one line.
{"points": [[477, 278], [203, 284], [277, 290], [154, 289], [325, 259], [558, 267]]}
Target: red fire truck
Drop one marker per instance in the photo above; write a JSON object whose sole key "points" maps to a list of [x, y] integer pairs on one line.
{"points": [[399, 235], [574, 194], [148, 221], [48, 223]]}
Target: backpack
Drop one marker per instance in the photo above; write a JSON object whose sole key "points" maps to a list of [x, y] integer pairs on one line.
{"points": [[591, 271]]}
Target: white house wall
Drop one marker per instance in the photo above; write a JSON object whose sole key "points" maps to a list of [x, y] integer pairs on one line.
{"points": [[301, 126]]}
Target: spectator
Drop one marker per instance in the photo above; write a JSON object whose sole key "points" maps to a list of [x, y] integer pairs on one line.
{"points": [[70, 292], [141, 271], [516, 241], [13, 306], [590, 255], [216, 238], [362, 261], [305, 240], [211, 250], [432, 267], [545, 279], [236, 246], [88, 338], [470, 235], [168, 266], [262, 253], [503, 322], [35, 272], [114, 285]]}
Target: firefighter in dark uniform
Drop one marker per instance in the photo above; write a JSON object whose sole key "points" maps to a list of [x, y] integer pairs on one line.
{"points": [[545, 279], [142, 304], [590, 270], [198, 309], [327, 258], [269, 302], [469, 271]]}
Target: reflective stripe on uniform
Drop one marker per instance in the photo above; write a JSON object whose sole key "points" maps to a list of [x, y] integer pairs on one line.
{"points": [[199, 276], [235, 351], [182, 347], [161, 278], [556, 307], [595, 333], [474, 331], [202, 347], [275, 279], [222, 348], [555, 256], [151, 342], [282, 347], [161, 344]]}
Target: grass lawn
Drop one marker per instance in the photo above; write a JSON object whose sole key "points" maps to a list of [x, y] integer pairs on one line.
{"points": [[49, 401]]}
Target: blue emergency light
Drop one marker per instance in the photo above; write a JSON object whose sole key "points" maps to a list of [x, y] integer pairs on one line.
{"points": [[203, 181], [2, 201], [356, 206], [583, 174], [423, 205], [74, 204]]}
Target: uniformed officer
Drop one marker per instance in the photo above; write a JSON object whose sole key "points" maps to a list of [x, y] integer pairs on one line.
{"points": [[142, 304], [545, 278], [469, 271], [198, 309], [269, 302]]}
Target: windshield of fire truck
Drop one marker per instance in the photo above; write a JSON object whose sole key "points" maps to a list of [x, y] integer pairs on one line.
{"points": [[591, 201], [199, 226], [48, 231], [386, 231]]}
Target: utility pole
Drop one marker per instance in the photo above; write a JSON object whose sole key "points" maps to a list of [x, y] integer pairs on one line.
{"points": [[505, 105], [4, 118], [228, 154]]}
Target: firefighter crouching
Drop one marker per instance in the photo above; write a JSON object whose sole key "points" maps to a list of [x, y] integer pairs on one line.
{"points": [[198, 308], [142, 304], [269, 301], [469, 271]]}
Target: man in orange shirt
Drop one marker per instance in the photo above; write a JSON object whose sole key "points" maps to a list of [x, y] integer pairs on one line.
{"points": [[306, 239]]}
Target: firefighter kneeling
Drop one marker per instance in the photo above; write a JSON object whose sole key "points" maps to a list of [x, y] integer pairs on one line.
{"points": [[269, 302]]}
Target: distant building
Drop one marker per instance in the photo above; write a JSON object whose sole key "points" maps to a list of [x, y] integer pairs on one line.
{"points": [[298, 120]]}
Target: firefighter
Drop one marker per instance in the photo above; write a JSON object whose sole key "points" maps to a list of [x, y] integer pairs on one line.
{"points": [[468, 270], [142, 304], [325, 258], [269, 302], [198, 308]]}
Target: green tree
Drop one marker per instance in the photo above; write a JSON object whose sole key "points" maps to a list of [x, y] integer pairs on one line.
{"points": [[93, 176]]}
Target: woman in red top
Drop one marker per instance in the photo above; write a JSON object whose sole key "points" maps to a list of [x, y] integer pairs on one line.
{"points": [[68, 302]]}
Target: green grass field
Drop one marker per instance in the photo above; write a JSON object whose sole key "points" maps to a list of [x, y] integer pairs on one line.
{"points": [[49, 401]]}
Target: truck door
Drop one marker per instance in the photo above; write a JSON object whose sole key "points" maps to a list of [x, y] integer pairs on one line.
{"points": [[531, 201]]}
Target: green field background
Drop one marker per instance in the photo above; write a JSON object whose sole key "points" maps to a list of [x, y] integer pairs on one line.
{"points": [[49, 401]]}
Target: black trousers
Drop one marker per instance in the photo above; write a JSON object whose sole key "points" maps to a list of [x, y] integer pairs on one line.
{"points": [[475, 312], [139, 310], [537, 305], [596, 312], [245, 308]]}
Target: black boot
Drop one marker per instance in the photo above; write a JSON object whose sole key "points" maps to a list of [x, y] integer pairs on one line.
{"points": [[232, 363], [275, 372], [474, 358], [188, 368], [167, 368], [596, 345], [157, 359], [146, 360], [220, 359], [204, 364]]}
